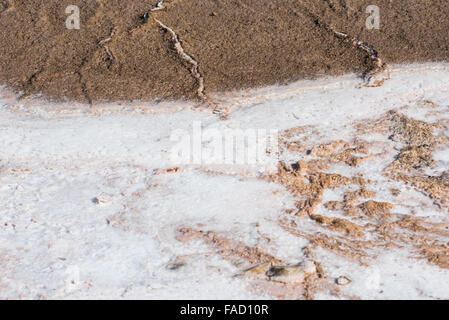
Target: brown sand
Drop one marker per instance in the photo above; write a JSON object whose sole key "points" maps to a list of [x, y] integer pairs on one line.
{"points": [[236, 44]]}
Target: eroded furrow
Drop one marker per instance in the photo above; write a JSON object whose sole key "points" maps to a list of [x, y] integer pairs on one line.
{"points": [[106, 47], [83, 84], [194, 70], [372, 77], [376, 74]]}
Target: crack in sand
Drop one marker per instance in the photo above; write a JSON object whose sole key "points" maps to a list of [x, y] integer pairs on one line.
{"points": [[194, 70], [158, 6], [341, 4], [82, 82], [103, 42], [181, 53], [84, 88], [187, 58], [31, 79], [30, 83], [370, 76], [379, 68]]}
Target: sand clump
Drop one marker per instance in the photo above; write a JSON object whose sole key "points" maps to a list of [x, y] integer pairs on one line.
{"points": [[376, 209], [417, 155], [437, 254], [342, 225]]}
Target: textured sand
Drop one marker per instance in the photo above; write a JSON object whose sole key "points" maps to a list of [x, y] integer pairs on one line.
{"points": [[117, 55]]}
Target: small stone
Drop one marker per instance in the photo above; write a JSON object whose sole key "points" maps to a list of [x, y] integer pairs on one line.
{"points": [[343, 281], [175, 266], [300, 166], [102, 199], [291, 273], [255, 270], [145, 18]]}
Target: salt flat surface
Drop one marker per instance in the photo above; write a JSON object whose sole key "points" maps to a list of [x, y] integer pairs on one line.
{"points": [[89, 212]]}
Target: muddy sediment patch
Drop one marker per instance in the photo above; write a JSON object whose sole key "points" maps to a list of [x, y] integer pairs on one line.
{"points": [[121, 52]]}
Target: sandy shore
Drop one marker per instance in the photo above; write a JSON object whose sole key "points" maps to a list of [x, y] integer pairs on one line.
{"points": [[118, 55]]}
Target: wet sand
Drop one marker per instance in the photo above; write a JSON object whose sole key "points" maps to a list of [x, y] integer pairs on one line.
{"points": [[236, 44]]}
